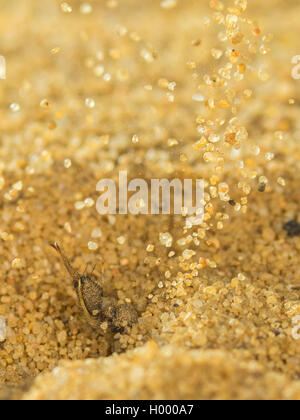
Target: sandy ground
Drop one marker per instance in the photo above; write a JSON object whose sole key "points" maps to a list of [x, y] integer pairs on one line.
{"points": [[93, 91]]}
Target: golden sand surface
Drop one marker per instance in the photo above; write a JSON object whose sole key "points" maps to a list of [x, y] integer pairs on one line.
{"points": [[161, 89]]}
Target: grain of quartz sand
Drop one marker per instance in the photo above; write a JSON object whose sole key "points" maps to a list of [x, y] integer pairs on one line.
{"points": [[215, 317]]}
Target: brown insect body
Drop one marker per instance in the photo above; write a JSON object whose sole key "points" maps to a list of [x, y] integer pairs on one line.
{"points": [[96, 307]]}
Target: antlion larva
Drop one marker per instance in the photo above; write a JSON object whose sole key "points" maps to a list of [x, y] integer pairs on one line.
{"points": [[97, 307]]}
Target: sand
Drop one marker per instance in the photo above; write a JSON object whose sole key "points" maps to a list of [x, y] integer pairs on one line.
{"points": [[120, 86]]}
